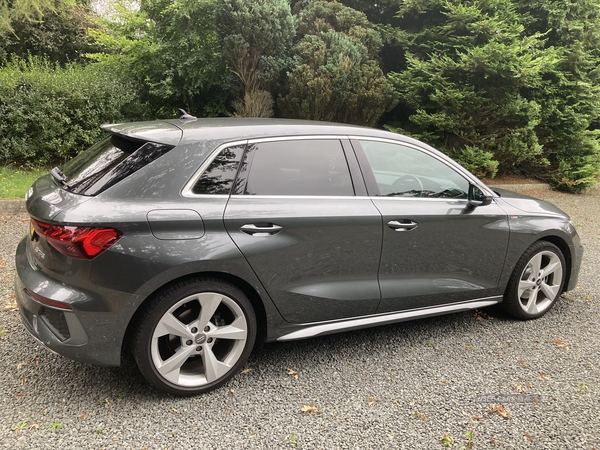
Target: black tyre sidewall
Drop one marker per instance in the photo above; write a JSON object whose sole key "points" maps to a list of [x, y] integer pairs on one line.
{"points": [[155, 310], [511, 303]]}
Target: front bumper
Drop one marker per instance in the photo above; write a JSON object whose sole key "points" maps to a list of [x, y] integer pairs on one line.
{"points": [[92, 332], [576, 258]]}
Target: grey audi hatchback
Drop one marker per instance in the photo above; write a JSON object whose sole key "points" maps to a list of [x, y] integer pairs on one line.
{"points": [[191, 241]]}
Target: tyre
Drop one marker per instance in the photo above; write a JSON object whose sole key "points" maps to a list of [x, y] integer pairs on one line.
{"points": [[536, 282], [194, 336]]}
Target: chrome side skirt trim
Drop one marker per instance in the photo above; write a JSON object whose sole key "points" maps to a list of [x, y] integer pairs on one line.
{"points": [[382, 319]]}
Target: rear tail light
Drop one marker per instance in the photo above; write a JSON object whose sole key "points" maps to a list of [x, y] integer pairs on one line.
{"points": [[77, 242]]}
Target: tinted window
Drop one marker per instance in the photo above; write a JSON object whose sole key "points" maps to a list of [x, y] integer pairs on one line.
{"points": [[108, 162], [401, 171], [303, 167], [218, 177]]}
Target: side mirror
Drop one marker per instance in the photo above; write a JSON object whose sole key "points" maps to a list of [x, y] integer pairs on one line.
{"points": [[477, 197]]}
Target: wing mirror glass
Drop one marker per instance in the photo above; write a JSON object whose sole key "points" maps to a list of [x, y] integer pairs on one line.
{"points": [[477, 197]]}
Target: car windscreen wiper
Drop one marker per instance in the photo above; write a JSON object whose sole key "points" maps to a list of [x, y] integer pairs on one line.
{"points": [[59, 176]]}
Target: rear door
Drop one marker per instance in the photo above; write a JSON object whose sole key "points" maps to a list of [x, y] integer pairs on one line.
{"points": [[437, 248], [312, 241]]}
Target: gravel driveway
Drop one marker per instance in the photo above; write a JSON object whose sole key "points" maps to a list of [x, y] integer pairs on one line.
{"points": [[479, 377]]}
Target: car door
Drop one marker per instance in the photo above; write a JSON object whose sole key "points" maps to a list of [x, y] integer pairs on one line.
{"points": [[437, 248], [313, 243]]}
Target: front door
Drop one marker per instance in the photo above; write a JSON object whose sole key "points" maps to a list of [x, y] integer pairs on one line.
{"points": [[437, 249]]}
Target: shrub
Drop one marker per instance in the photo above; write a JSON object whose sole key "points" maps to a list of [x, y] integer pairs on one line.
{"points": [[337, 75], [479, 162], [48, 113], [257, 103]]}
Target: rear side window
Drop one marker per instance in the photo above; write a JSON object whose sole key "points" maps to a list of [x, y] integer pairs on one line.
{"points": [[108, 162], [218, 177], [302, 167]]}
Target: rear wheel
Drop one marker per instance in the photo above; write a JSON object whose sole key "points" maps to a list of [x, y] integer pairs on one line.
{"points": [[194, 336], [536, 282]]}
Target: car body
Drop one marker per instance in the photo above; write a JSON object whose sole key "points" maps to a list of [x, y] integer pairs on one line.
{"points": [[257, 230]]}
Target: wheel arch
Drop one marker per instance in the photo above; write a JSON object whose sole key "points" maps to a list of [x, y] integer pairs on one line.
{"points": [[252, 294], [566, 251]]}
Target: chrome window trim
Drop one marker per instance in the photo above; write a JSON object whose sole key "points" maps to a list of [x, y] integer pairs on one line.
{"points": [[307, 197], [187, 188], [299, 138], [428, 199], [342, 197], [468, 176]]}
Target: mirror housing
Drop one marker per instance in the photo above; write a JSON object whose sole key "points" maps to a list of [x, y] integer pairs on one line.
{"points": [[477, 197]]}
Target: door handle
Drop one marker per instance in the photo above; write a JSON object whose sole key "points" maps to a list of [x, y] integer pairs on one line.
{"points": [[402, 225], [261, 230]]}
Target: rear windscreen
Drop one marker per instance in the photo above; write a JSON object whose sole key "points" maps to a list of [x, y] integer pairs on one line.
{"points": [[108, 162]]}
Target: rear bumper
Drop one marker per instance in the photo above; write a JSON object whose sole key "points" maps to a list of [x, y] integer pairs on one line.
{"points": [[92, 332]]}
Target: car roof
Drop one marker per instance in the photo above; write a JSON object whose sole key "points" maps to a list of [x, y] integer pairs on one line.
{"points": [[174, 131]]}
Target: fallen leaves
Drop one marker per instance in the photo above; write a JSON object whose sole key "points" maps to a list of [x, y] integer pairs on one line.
{"points": [[12, 307], [292, 373], [372, 400], [560, 344], [421, 416], [500, 410], [480, 316], [245, 371], [311, 408]]}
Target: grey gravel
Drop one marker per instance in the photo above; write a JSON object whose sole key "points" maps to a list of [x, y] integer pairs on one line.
{"points": [[398, 386]]}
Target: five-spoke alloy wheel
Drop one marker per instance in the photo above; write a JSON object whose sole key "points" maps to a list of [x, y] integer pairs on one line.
{"points": [[194, 336], [536, 282]]}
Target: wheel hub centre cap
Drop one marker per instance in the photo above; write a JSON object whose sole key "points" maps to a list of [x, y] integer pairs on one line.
{"points": [[200, 339], [538, 282]]}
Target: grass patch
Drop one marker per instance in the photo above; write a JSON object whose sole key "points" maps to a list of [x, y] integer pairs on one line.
{"points": [[14, 183]]}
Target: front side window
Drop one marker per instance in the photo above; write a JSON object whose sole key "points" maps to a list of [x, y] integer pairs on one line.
{"points": [[402, 171], [302, 167]]}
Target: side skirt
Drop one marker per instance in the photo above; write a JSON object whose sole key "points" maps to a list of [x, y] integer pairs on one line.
{"points": [[319, 329]]}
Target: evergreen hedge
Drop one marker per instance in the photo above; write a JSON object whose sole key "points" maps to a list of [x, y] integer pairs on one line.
{"points": [[50, 113]]}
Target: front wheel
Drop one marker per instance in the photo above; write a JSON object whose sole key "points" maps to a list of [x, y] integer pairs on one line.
{"points": [[194, 336], [536, 282]]}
